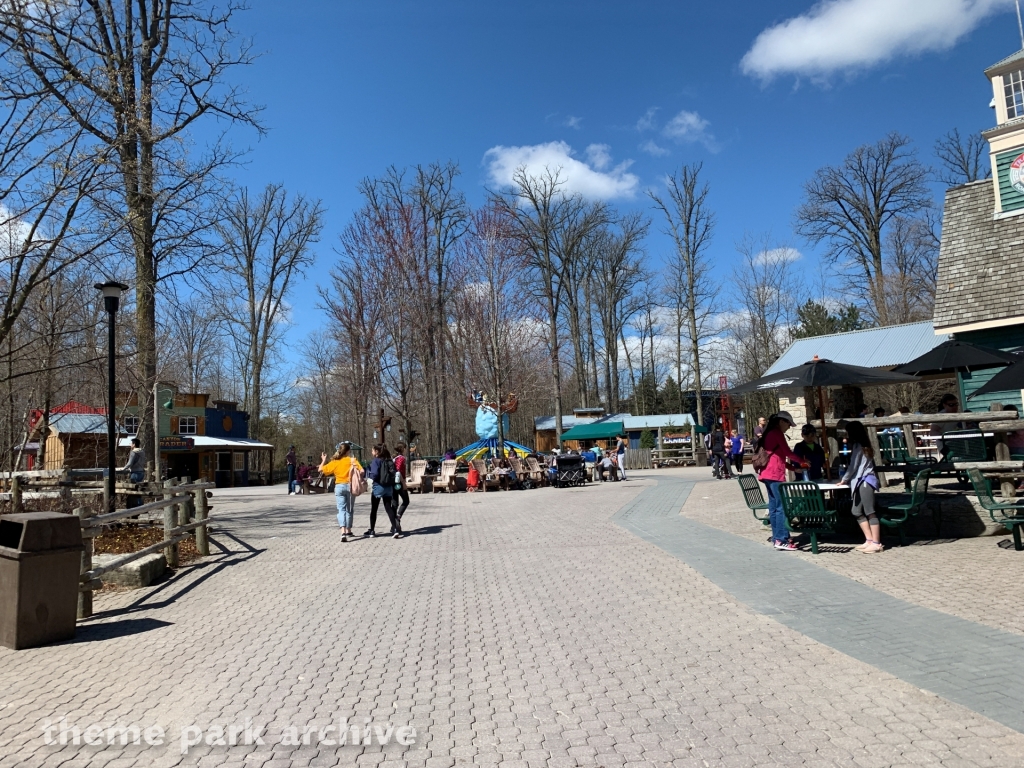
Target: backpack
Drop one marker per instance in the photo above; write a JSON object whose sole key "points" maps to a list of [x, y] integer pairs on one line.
{"points": [[387, 473], [356, 483], [759, 462]]}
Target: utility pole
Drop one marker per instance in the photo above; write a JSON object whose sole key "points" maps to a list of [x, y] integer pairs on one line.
{"points": [[383, 425]]}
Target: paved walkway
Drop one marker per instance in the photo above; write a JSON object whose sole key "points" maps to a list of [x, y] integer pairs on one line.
{"points": [[517, 629]]}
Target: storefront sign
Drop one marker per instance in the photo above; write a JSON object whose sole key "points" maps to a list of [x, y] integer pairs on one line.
{"points": [[175, 443]]}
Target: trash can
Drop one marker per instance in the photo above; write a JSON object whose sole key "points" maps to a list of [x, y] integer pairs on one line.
{"points": [[40, 562]]}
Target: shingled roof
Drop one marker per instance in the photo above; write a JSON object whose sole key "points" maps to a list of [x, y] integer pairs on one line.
{"points": [[979, 262]]}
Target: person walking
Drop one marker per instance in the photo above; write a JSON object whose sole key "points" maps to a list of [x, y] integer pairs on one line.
{"points": [[382, 473], [400, 490], [289, 462], [341, 465], [620, 453], [721, 463], [736, 447], [775, 445], [863, 482], [136, 469]]}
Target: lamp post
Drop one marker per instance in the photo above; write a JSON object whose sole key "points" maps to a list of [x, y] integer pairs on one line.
{"points": [[169, 405], [111, 291]]}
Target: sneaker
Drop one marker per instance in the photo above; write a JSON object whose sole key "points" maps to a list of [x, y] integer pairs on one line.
{"points": [[786, 546], [344, 538], [396, 535], [369, 534]]}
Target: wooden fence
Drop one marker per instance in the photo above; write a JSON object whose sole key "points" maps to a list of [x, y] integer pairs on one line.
{"points": [[185, 508]]}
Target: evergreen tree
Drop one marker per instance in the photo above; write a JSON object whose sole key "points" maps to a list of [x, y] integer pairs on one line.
{"points": [[815, 320]]}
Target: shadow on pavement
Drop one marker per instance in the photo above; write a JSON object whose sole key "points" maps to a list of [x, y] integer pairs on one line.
{"points": [[429, 529], [90, 633]]}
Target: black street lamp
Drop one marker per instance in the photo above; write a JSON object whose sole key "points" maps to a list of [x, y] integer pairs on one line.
{"points": [[111, 291]]}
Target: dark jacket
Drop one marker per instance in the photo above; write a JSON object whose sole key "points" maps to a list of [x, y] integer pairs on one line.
{"points": [[814, 455], [376, 466]]}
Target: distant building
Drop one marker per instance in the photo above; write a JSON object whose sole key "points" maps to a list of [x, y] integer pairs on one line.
{"points": [[200, 441], [75, 437]]}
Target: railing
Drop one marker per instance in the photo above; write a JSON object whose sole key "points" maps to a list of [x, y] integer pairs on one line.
{"points": [[185, 508]]}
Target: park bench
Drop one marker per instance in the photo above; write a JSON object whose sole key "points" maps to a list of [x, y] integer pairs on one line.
{"points": [[753, 497], [804, 507], [523, 475], [895, 515], [317, 483], [1008, 514]]}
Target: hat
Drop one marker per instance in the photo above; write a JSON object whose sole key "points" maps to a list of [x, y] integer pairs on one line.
{"points": [[785, 415]]}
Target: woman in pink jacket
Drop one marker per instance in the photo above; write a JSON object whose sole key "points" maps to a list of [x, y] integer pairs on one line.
{"points": [[774, 442]]}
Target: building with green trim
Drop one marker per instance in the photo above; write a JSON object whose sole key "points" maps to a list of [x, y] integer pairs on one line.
{"points": [[979, 293]]}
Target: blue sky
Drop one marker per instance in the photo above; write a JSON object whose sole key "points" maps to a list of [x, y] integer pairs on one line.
{"points": [[762, 93]]}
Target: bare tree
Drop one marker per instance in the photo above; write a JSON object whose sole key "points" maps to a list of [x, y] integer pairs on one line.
{"points": [[552, 227], [912, 254], [193, 339], [266, 244], [851, 208], [963, 159], [690, 222], [133, 76], [618, 274]]}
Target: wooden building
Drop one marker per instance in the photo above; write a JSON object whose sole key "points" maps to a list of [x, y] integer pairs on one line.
{"points": [[201, 439], [979, 294], [71, 440]]}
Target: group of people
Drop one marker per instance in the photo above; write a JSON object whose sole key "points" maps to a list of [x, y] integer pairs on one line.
{"points": [[808, 460], [726, 452], [387, 476]]}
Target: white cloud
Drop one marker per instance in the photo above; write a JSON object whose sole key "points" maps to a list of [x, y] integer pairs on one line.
{"points": [[838, 35], [589, 179], [686, 126], [573, 122], [599, 156], [646, 123], [778, 255], [652, 148]]}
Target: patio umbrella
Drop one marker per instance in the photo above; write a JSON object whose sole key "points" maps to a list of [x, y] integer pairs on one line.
{"points": [[818, 373], [1007, 380], [952, 356], [822, 373]]}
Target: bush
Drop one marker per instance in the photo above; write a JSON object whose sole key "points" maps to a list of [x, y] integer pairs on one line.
{"points": [[648, 440]]}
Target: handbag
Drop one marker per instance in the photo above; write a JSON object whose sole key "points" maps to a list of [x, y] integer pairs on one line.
{"points": [[759, 461], [356, 483]]}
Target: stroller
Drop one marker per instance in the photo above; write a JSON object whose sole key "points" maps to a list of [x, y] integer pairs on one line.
{"points": [[570, 470]]}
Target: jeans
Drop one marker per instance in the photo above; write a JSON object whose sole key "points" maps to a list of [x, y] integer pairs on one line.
{"points": [[343, 498], [135, 501], [775, 514], [291, 478]]}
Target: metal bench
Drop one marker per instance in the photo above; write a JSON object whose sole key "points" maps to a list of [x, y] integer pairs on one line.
{"points": [[804, 507], [895, 515], [753, 497], [1005, 513]]}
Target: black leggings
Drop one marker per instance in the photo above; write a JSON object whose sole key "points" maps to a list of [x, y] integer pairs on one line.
{"points": [[389, 508], [400, 508]]}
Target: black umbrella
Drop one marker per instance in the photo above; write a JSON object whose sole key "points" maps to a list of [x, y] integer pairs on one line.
{"points": [[1009, 379], [951, 356], [820, 374]]}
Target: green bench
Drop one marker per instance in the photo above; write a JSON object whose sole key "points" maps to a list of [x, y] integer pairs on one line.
{"points": [[804, 507], [753, 497], [895, 515], [1009, 514]]}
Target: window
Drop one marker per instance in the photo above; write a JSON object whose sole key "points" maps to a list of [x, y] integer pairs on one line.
{"points": [[131, 424], [187, 425], [239, 462], [1013, 87]]}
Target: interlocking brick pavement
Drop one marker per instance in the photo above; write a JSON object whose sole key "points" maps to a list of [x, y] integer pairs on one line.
{"points": [[972, 578], [514, 629]]}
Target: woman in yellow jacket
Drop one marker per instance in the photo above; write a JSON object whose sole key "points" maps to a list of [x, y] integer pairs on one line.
{"points": [[341, 465]]}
